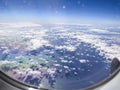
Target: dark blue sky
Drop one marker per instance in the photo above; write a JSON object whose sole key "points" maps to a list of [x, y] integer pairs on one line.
{"points": [[69, 11]]}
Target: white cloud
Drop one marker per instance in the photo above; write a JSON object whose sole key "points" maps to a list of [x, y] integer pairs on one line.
{"points": [[99, 30], [51, 70], [66, 67], [83, 61], [68, 47], [20, 24], [36, 43]]}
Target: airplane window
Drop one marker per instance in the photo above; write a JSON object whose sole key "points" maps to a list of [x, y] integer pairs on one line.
{"points": [[59, 44]]}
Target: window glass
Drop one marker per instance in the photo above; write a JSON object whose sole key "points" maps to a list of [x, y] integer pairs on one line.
{"points": [[59, 44]]}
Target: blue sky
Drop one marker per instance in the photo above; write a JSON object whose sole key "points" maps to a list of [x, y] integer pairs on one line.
{"points": [[69, 11]]}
